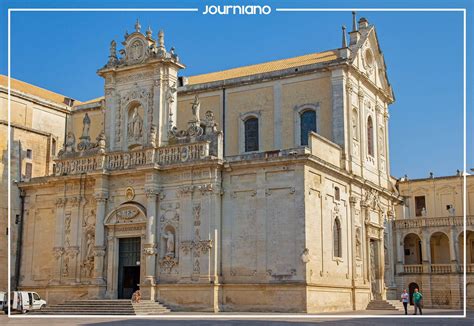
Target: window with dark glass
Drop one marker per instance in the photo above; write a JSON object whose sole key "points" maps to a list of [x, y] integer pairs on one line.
{"points": [[370, 136], [53, 147], [420, 204], [251, 134], [307, 124], [28, 170], [337, 238], [337, 193]]}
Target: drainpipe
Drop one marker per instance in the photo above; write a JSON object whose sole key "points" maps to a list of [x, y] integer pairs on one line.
{"points": [[20, 240], [223, 121]]}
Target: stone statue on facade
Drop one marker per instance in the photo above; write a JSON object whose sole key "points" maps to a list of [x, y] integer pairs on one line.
{"points": [[196, 108], [358, 242], [90, 246], [85, 143], [70, 143], [153, 133], [210, 123], [101, 142], [169, 243], [86, 124], [135, 125], [170, 93]]}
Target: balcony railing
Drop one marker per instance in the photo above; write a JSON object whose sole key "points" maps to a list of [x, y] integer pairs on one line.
{"points": [[469, 268], [433, 221], [441, 268], [435, 268], [167, 155], [413, 269]]}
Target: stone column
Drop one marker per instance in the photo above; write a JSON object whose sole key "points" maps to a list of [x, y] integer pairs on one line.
{"points": [[150, 246], [99, 248], [362, 129], [426, 251], [452, 250], [58, 249]]}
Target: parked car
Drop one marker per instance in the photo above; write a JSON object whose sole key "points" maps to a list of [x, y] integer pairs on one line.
{"points": [[24, 301], [4, 301]]}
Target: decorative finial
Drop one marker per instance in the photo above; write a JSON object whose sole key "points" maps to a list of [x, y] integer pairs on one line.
{"points": [[161, 38], [354, 25], [148, 32], [125, 36], [138, 26], [431, 175], [344, 41]]}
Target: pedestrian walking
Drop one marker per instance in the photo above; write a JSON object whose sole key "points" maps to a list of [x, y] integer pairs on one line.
{"points": [[404, 297], [417, 300]]}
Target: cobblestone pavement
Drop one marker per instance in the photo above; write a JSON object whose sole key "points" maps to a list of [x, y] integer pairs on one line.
{"points": [[273, 319]]}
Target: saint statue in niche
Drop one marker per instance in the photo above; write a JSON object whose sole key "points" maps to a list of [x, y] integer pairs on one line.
{"points": [[169, 243], [354, 125], [135, 125], [90, 246], [358, 243]]}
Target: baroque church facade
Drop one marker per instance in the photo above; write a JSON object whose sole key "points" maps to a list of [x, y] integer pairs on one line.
{"points": [[228, 191]]}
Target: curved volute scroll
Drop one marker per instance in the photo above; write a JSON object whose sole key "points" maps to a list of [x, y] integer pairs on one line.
{"points": [[128, 213]]}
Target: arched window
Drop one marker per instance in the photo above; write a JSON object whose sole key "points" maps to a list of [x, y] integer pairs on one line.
{"points": [[370, 136], [337, 245], [307, 124], [251, 134]]}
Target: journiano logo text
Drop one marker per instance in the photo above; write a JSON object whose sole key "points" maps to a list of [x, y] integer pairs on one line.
{"points": [[237, 10]]}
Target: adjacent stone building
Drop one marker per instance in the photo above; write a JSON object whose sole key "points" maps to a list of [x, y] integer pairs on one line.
{"points": [[428, 238], [37, 121], [259, 188]]}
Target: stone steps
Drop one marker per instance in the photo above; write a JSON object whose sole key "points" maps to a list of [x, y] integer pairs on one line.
{"points": [[103, 307], [383, 305]]}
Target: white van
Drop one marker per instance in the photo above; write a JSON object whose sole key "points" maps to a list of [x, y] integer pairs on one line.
{"points": [[24, 301], [4, 302]]}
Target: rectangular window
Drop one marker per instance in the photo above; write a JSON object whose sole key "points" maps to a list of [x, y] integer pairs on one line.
{"points": [[29, 153], [28, 170], [420, 205]]}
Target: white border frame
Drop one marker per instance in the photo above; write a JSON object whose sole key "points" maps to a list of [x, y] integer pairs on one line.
{"points": [[243, 316]]}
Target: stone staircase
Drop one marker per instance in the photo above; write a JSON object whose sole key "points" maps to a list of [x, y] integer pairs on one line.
{"points": [[103, 307], [385, 305]]}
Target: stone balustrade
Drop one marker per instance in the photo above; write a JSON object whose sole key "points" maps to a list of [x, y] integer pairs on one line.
{"points": [[441, 268], [433, 222], [167, 155], [437, 268], [413, 269]]}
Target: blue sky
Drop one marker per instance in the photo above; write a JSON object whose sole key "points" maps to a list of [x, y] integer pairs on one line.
{"points": [[62, 51]]}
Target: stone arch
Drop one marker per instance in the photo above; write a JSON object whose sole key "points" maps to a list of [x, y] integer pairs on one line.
{"points": [[411, 289], [439, 247], [412, 249], [129, 212], [469, 247]]}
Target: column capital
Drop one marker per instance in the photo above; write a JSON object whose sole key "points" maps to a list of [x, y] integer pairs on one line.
{"points": [[154, 192], [101, 196]]}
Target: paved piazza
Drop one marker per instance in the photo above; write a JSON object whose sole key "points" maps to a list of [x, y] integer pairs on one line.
{"points": [[272, 319]]}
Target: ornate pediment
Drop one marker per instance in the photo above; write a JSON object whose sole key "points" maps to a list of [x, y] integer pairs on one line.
{"points": [[139, 48], [126, 214]]}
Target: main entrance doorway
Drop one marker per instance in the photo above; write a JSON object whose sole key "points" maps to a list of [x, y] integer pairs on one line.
{"points": [[129, 267]]}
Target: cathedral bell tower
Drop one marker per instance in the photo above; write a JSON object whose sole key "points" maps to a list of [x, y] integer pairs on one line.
{"points": [[140, 91]]}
